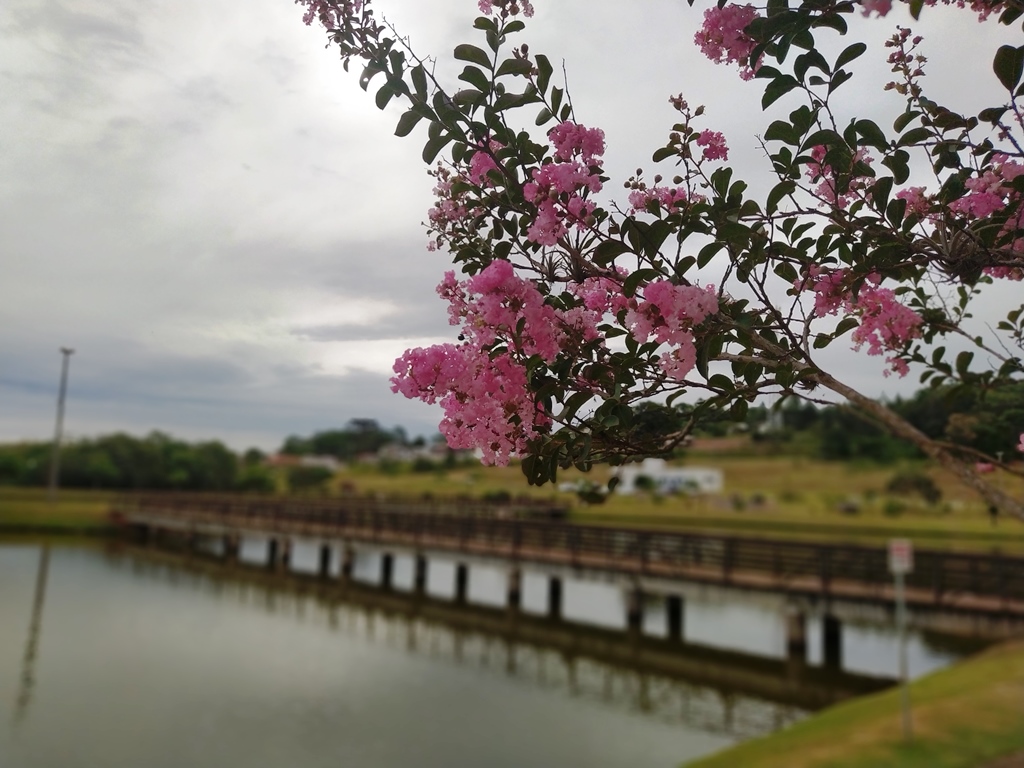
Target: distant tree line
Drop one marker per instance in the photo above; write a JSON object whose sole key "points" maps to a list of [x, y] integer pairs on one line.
{"points": [[988, 421], [359, 437], [161, 462], [967, 417], [120, 461]]}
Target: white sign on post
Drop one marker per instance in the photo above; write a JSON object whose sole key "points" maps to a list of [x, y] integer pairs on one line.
{"points": [[901, 562], [901, 556]]}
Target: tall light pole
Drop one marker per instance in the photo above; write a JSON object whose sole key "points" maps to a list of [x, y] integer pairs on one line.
{"points": [[58, 431]]}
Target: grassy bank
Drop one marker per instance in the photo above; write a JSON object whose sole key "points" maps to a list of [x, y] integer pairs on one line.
{"points": [[28, 510], [964, 717]]}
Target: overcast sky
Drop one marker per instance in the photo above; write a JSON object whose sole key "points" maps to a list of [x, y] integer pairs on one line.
{"points": [[198, 199]]}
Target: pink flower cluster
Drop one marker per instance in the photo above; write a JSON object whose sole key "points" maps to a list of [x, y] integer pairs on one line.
{"points": [[721, 38], [668, 312], [1020, 447], [714, 145], [329, 13], [483, 163], [829, 177], [449, 209], [988, 193], [510, 7], [491, 304], [667, 197], [885, 324], [485, 397], [558, 188], [984, 8], [918, 203], [486, 401]]}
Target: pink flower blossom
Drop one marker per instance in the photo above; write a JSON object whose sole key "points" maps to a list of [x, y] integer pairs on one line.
{"points": [[917, 201], [831, 179], [714, 145], [511, 7], [885, 324], [667, 197], [722, 39], [486, 401], [330, 14], [571, 139], [984, 468], [668, 312], [558, 188], [1020, 447], [880, 7]]}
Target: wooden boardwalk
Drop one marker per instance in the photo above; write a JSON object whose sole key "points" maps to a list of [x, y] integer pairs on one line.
{"points": [[991, 585]]}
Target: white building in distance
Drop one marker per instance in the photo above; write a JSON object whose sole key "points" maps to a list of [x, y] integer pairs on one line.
{"points": [[668, 479]]}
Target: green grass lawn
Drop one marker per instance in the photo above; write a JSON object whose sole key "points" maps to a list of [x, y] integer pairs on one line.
{"points": [[963, 717], [29, 510]]}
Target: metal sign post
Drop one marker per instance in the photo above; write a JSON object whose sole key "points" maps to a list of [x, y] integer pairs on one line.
{"points": [[901, 562]]}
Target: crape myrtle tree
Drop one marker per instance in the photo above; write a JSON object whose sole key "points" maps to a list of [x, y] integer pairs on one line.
{"points": [[578, 308]]}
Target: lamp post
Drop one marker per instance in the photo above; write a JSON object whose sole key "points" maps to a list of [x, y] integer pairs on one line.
{"points": [[58, 431]]}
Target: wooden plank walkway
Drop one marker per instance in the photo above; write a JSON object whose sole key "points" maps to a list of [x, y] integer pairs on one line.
{"points": [[946, 581]]}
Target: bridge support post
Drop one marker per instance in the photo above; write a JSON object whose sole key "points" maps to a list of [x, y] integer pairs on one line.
{"points": [[286, 554], [420, 574], [635, 610], [555, 597], [674, 617], [796, 634], [325, 561], [272, 553], [387, 568], [832, 641], [348, 559], [231, 547], [461, 582], [515, 589]]}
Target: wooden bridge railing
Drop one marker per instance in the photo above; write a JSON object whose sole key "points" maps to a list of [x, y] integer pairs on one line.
{"points": [[657, 553]]}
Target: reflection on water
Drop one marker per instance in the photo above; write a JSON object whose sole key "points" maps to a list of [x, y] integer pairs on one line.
{"points": [[28, 662], [144, 662]]}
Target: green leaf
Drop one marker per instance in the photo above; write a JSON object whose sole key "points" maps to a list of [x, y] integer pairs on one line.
{"points": [[992, 114], [778, 88], [1008, 65], [914, 136], [544, 70], [871, 134], [663, 153], [852, 52], [825, 138], [419, 81], [904, 120], [780, 130], [963, 363], [407, 122], [708, 252], [543, 116], [384, 95], [640, 276], [607, 251], [839, 77], [434, 146], [514, 67], [915, 8], [471, 53], [476, 78], [779, 191]]}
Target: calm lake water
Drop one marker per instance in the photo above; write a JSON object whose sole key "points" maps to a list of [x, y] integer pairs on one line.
{"points": [[128, 659]]}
